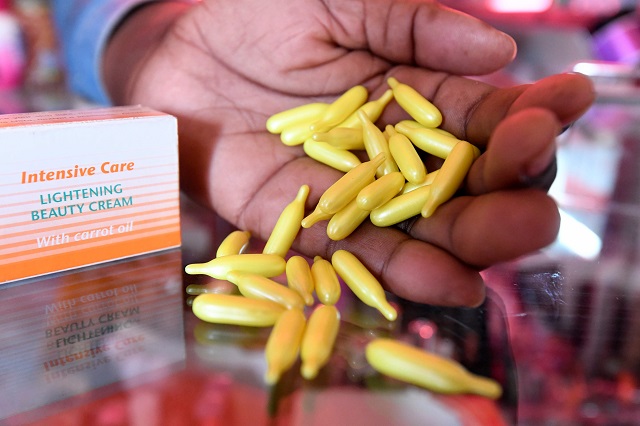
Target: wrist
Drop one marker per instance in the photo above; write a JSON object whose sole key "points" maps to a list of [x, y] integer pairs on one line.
{"points": [[139, 33]]}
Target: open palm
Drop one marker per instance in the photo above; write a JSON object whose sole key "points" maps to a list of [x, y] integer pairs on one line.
{"points": [[224, 67]]}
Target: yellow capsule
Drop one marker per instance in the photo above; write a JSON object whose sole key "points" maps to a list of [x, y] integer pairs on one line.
{"points": [[373, 109], [326, 281], [314, 217], [234, 243], [444, 132], [416, 105], [407, 158], [299, 278], [476, 152], [380, 191], [347, 187], [268, 265], [387, 132], [217, 287], [325, 153], [428, 140], [410, 364], [288, 225], [375, 143], [236, 310], [400, 208], [303, 114], [412, 124], [341, 108], [445, 144], [283, 344], [341, 137], [362, 282], [318, 340], [344, 222], [195, 289], [409, 186], [211, 334], [450, 176], [256, 286], [296, 134]]}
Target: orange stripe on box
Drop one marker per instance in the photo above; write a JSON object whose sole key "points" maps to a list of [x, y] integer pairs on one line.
{"points": [[88, 256], [108, 212], [160, 225], [156, 213]]}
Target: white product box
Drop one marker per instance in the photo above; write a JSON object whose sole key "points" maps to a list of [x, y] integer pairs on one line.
{"points": [[82, 187]]}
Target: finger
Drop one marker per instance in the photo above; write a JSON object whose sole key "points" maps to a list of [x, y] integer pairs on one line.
{"points": [[568, 96], [407, 267], [520, 153], [472, 110], [490, 228], [421, 33]]}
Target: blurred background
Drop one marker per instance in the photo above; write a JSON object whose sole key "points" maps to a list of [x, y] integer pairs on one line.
{"points": [[569, 312], [552, 37]]}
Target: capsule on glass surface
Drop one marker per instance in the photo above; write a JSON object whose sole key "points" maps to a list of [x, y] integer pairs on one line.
{"points": [[318, 340], [234, 243], [268, 265], [237, 310], [362, 282], [326, 281], [283, 344], [410, 364], [258, 287]]}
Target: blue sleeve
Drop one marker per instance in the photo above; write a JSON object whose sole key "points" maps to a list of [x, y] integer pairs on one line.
{"points": [[83, 27]]}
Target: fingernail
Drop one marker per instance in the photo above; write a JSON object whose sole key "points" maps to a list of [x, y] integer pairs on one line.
{"points": [[541, 174], [541, 161]]}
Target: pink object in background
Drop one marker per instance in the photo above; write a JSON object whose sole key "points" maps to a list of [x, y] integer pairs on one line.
{"points": [[12, 54]]}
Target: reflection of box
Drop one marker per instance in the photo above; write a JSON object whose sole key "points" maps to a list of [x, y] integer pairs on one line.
{"points": [[74, 334], [83, 187]]}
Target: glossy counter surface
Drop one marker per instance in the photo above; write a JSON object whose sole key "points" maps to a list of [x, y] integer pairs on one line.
{"points": [[117, 344]]}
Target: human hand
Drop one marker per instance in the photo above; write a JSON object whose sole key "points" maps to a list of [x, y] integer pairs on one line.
{"points": [[223, 68]]}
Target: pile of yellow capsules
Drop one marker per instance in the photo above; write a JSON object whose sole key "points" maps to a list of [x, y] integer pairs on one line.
{"points": [[391, 186]]}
